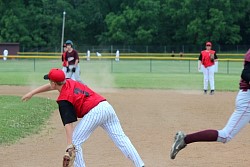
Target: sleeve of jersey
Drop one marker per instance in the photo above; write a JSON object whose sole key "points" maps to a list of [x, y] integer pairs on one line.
{"points": [[245, 75], [76, 55], [200, 57], [67, 112], [215, 56]]}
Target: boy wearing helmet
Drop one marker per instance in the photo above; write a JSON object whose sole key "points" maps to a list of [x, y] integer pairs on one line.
{"points": [[73, 62]]}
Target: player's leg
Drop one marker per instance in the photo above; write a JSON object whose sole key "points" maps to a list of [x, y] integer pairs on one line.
{"points": [[77, 74], [113, 127], [73, 76], [205, 79], [64, 69], [83, 130], [211, 78], [69, 74], [182, 140], [239, 119]]}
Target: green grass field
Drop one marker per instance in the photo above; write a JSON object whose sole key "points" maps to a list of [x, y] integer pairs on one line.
{"points": [[15, 121], [19, 119], [123, 66], [152, 74]]}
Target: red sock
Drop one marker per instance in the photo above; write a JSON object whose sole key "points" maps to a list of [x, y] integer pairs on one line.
{"points": [[202, 136]]}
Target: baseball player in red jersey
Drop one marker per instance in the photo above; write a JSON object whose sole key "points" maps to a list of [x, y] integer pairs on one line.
{"points": [[207, 58], [77, 100], [239, 119], [65, 63]]}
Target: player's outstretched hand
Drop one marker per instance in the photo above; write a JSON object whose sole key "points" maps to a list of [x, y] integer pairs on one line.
{"points": [[27, 96]]}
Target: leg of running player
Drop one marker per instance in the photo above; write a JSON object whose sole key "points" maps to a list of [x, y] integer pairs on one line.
{"points": [[239, 119], [113, 127], [205, 80]]}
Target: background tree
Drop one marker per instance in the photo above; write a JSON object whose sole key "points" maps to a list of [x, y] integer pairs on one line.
{"points": [[136, 24], [38, 23]]}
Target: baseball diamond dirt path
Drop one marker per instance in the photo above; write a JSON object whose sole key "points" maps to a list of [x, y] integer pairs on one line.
{"points": [[150, 118]]}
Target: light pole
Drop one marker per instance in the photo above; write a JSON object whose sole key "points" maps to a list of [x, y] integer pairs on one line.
{"points": [[64, 13]]}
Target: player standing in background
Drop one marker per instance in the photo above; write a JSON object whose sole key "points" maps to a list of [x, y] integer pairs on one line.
{"points": [[239, 119], [73, 61], [65, 63], [76, 100], [5, 54], [207, 59]]}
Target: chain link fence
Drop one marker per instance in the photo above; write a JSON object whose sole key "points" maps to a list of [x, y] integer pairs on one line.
{"points": [[124, 65], [176, 49]]}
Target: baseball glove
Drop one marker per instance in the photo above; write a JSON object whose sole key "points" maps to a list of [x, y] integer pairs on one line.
{"points": [[69, 156], [212, 57], [73, 69]]}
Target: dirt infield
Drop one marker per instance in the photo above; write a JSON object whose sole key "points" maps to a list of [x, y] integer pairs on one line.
{"points": [[150, 118]]}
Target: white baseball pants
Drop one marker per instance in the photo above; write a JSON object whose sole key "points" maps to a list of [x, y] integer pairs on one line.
{"points": [[103, 115], [74, 75], [208, 74], [239, 119]]}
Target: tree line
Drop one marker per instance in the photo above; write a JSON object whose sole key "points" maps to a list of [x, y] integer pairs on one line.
{"points": [[38, 23]]}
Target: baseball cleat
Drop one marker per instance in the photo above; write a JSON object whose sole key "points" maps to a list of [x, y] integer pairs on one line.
{"points": [[178, 145], [212, 92]]}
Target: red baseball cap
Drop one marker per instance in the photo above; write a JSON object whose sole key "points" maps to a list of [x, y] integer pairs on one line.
{"points": [[55, 74], [208, 44]]}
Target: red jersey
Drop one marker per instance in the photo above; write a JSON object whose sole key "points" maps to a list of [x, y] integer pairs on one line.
{"points": [[64, 60], [82, 97], [205, 58]]}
